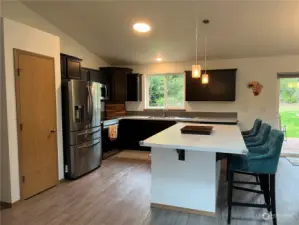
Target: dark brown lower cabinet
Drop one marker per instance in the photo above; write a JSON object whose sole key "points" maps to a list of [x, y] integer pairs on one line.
{"points": [[131, 132]]}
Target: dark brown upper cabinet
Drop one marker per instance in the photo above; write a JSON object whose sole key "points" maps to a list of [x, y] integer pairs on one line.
{"points": [[85, 74], [93, 75], [221, 86], [98, 76], [134, 87], [116, 82], [70, 67]]}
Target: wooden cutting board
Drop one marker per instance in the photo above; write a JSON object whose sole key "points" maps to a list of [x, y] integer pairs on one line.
{"points": [[203, 130]]}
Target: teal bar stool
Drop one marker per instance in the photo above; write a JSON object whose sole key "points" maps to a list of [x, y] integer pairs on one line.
{"points": [[253, 144], [263, 164], [260, 139], [256, 144], [254, 130]]}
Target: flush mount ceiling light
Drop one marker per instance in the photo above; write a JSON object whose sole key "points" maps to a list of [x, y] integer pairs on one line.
{"points": [[159, 59], [141, 27]]}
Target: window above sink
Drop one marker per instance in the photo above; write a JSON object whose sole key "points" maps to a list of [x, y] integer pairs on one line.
{"points": [[165, 91]]}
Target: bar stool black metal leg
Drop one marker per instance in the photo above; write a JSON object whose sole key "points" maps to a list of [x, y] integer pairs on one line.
{"points": [[264, 183], [273, 200], [227, 165], [257, 179], [230, 195]]}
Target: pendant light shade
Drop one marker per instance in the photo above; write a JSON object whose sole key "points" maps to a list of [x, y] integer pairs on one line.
{"points": [[205, 79], [205, 76], [196, 71]]}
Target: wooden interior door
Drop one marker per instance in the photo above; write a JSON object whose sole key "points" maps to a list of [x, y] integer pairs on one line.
{"points": [[36, 112]]}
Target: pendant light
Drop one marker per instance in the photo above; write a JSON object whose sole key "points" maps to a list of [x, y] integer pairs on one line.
{"points": [[196, 69], [205, 76]]}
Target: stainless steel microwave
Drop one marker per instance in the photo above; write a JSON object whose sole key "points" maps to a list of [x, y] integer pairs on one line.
{"points": [[104, 92]]}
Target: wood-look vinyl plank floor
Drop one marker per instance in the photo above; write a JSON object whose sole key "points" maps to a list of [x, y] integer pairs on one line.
{"points": [[119, 194]]}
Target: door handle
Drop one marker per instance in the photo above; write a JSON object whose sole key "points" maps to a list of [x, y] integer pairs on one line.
{"points": [[53, 131]]}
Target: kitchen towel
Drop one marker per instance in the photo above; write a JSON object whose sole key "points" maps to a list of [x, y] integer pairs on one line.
{"points": [[112, 132]]}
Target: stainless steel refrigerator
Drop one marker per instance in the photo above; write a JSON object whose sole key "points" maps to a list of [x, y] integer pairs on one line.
{"points": [[81, 114]]}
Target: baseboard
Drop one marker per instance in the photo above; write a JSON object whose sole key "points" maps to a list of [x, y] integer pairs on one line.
{"points": [[61, 181], [7, 205], [185, 210], [289, 154]]}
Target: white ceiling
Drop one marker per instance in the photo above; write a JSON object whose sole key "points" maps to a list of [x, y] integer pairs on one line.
{"points": [[237, 28]]}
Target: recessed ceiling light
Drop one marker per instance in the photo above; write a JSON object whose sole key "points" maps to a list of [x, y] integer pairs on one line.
{"points": [[141, 27], [159, 59]]}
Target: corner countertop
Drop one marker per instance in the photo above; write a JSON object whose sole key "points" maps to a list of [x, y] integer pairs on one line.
{"points": [[228, 120], [184, 119], [224, 139]]}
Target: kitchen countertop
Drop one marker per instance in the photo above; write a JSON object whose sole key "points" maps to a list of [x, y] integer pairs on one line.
{"points": [[179, 119], [224, 139]]}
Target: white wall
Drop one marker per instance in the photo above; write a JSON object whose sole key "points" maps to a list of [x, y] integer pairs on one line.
{"points": [[27, 38], [4, 157], [17, 11], [247, 106], [20, 36]]}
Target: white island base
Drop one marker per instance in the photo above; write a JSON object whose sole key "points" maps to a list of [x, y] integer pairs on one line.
{"points": [[189, 186]]}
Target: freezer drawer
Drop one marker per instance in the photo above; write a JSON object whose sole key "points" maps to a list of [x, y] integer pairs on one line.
{"points": [[84, 158], [82, 136]]}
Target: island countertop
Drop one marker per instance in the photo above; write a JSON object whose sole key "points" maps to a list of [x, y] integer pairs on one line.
{"points": [[223, 139]]}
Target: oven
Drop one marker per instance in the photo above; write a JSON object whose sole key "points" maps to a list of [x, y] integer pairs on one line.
{"points": [[109, 147]]}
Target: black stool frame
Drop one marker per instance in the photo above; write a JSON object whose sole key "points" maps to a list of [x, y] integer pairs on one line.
{"points": [[267, 184]]}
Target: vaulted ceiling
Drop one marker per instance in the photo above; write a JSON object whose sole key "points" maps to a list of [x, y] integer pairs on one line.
{"points": [[237, 28]]}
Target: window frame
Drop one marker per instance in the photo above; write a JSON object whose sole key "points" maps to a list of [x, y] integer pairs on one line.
{"points": [[165, 107]]}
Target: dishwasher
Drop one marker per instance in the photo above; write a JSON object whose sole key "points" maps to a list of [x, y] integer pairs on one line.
{"points": [[109, 147]]}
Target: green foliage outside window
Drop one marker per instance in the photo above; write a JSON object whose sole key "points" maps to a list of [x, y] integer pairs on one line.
{"points": [[289, 90], [175, 90]]}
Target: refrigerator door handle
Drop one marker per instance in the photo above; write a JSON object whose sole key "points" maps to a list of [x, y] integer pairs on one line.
{"points": [[89, 107], [90, 145], [90, 132], [88, 103], [91, 100]]}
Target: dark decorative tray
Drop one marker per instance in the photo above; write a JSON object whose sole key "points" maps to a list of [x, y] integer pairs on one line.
{"points": [[203, 130]]}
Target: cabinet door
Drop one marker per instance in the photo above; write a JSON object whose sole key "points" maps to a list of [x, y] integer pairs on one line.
{"points": [[98, 76], [192, 84], [131, 132], [119, 86], [63, 66], [95, 76], [134, 87], [73, 69], [103, 78], [126, 136], [116, 80], [85, 73]]}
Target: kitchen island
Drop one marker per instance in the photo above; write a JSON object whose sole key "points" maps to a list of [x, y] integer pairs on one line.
{"points": [[184, 171]]}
